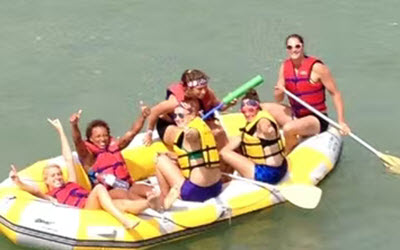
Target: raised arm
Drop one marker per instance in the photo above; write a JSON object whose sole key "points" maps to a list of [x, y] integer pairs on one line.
{"points": [[28, 188], [280, 84], [124, 141], [161, 108], [65, 149], [85, 156]]}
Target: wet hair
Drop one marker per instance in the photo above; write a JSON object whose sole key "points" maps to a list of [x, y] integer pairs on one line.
{"points": [[297, 36], [192, 75], [93, 124], [252, 95]]}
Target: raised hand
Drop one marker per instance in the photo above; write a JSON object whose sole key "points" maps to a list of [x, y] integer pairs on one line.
{"points": [[13, 175], [56, 124], [145, 110], [74, 118]]}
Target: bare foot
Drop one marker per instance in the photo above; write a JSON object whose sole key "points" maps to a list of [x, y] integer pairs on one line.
{"points": [[154, 201], [130, 223], [173, 194]]}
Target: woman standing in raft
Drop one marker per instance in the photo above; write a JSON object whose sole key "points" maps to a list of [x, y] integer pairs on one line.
{"points": [[193, 84], [261, 146], [71, 193], [306, 77], [101, 155], [193, 171]]}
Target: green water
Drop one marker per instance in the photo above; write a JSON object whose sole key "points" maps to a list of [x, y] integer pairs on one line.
{"points": [[105, 56]]}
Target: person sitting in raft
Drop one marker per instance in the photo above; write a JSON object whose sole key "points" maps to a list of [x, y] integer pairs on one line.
{"points": [[193, 84], [306, 77], [192, 172], [261, 157], [71, 193], [100, 155]]}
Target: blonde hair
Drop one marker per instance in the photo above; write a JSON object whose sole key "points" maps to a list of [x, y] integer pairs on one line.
{"points": [[44, 172]]}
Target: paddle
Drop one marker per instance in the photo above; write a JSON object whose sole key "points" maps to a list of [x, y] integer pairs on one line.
{"points": [[391, 162], [240, 91], [301, 195]]}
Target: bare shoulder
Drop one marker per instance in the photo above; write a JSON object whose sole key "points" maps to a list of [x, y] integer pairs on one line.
{"points": [[320, 68]]}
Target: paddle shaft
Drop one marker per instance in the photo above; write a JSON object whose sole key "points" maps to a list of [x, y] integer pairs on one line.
{"points": [[270, 187], [332, 122]]}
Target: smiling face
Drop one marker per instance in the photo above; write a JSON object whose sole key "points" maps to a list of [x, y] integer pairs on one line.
{"points": [[100, 137], [53, 177], [295, 48], [250, 109]]}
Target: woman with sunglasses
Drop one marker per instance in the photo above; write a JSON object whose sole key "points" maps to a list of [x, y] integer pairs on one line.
{"points": [[306, 77], [261, 157], [193, 84], [192, 172]]}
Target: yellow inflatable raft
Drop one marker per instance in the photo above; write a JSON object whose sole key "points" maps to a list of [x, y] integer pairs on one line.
{"points": [[29, 221]]}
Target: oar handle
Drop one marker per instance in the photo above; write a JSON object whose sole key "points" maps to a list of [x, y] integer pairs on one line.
{"points": [[330, 121], [211, 112]]}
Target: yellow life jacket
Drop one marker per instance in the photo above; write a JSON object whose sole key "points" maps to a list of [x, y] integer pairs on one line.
{"points": [[253, 147], [208, 149]]}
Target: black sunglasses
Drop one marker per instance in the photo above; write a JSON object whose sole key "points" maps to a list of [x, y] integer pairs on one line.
{"points": [[297, 46], [179, 115]]}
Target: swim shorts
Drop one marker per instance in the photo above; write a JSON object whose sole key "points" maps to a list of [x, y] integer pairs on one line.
{"points": [[269, 174], [193, 192]]}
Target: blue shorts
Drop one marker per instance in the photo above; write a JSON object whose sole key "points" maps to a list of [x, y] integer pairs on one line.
{"points": [[270, 174], [193, 192]]}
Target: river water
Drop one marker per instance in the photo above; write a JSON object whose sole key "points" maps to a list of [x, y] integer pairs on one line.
{"points": [[104, 56]]}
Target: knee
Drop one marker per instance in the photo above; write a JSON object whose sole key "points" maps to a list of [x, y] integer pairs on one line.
{"points": [[289, 129], [160, 160], [99, 188]]}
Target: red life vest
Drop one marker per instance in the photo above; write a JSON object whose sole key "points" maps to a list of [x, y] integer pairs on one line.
{"points": [[300, 85], [109, 161], [70, 194], [178, 90]]}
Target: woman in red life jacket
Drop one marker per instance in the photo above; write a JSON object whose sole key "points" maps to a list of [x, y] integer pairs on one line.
{"points": [[193, 84], [71, 193], [101, 155], [306, 77]]}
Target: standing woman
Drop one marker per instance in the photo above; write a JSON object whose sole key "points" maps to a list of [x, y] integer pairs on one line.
{"points": [[307, 77], [193, 84]]}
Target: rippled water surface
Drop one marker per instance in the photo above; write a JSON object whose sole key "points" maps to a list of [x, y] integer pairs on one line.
{"points": [[104, 56]]}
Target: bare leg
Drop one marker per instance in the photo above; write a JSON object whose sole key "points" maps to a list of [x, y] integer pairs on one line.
{"points": [[168, 174], [138, 190], [281, 113], [131, 206], [306, 126], [100, 199], [240, 163]]}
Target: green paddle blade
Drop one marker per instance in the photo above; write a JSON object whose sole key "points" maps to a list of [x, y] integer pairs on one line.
{"points": [[301, 195]]}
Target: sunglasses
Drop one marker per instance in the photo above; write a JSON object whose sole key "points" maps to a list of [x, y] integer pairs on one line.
{"points": [[249, 109], [290, 47], [179, 115], [250, 102]]}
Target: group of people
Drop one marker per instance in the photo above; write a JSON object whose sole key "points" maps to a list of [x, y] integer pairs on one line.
{"points": [[199, 151]]}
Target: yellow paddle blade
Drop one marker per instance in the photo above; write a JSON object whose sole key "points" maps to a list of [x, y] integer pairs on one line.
{"points": [[391, 162], [301, 195]]}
